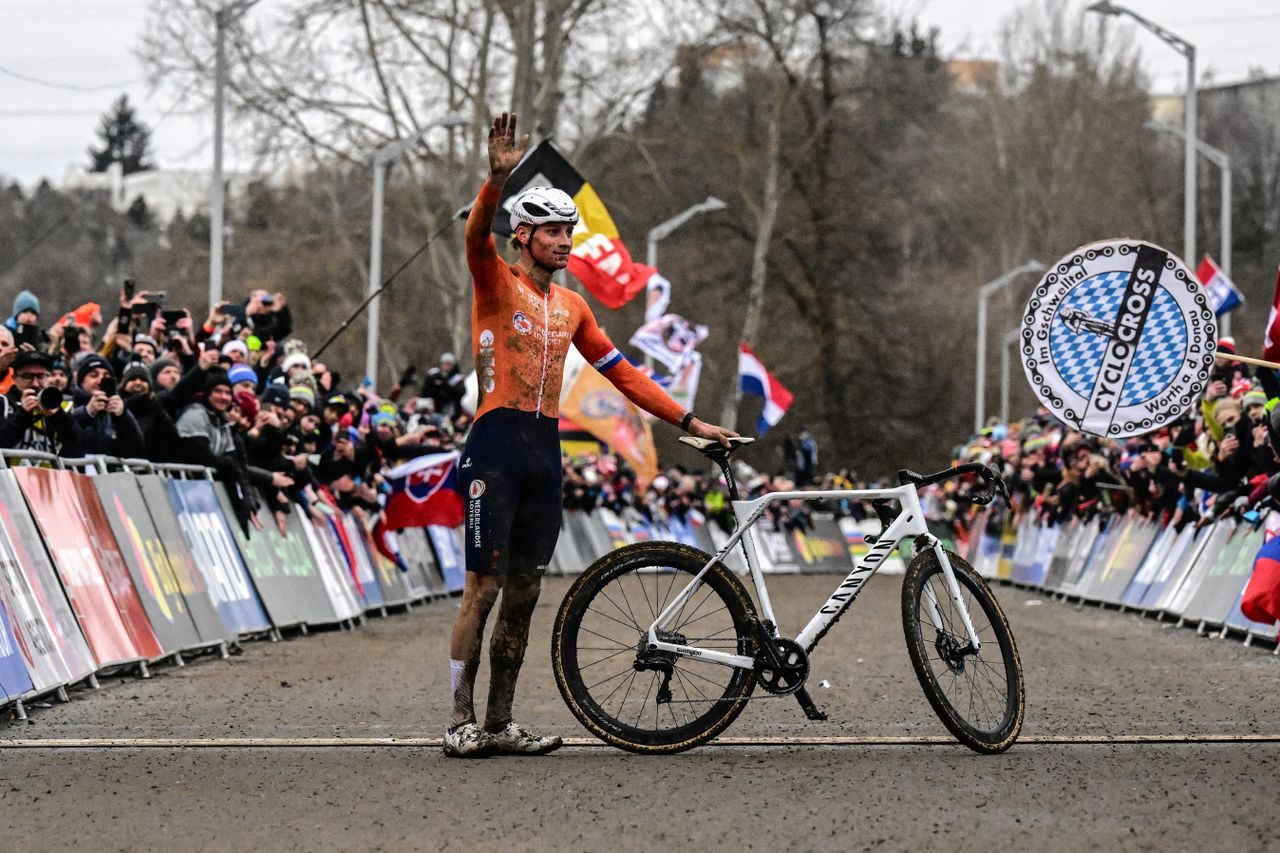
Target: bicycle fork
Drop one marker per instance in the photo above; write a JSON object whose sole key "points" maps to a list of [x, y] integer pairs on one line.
{"points": [[953, 589]]}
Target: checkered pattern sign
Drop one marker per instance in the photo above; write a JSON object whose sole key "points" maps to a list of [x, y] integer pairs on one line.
{"points": [[1078, 355], [1079, 352]]}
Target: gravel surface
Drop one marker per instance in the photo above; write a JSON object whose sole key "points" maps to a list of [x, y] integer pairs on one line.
{"points": [[1088, 672]]}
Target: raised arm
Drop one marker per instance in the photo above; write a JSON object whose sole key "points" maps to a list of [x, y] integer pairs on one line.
{"points": [[597, 349], [504, 153]]}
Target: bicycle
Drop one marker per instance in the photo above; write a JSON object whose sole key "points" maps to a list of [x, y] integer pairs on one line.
{"points": [[652, 672]]}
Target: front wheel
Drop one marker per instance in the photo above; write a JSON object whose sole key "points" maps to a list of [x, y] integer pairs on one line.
{"points": [[654, 703], [977, 695]]}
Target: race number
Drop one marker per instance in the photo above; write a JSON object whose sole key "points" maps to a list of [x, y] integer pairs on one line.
{"points": [[1118, 338]]}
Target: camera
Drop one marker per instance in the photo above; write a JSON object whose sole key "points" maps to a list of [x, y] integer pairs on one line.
{"points": [[50, 398]]}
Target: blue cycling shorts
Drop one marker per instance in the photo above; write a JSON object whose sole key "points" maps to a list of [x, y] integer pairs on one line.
{"points": [[511, 477]]}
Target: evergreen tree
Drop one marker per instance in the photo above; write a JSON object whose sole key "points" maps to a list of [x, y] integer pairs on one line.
{"points": [[123, 139]]}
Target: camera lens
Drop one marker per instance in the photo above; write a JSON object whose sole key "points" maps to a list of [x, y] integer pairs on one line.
{"points": [[50, 398]]}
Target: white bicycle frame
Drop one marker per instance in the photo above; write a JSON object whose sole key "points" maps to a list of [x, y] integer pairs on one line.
{"points": [[909, 521]]}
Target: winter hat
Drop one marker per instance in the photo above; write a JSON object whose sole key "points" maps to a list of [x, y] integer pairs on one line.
{"points": [[142, 338], [242, 373], [303, 393], [214, 379], [160, 364], [1253, 397], [382, 418], [26, 301], [236, 345], [89, 362], [296, 359], [1227, 344], [135, 370], [276, 394]]}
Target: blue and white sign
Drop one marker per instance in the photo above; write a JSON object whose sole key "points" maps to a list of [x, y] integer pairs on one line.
{"points": [[1118, 338]]}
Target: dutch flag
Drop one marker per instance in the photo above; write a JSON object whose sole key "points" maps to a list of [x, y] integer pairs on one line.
{"points": [[1223, 294], [754, 379]]}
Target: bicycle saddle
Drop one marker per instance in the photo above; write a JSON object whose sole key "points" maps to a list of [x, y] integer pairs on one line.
{"points": [[709, 445]]}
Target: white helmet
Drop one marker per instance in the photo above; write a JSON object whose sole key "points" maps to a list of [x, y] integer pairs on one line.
{"points": [[540, 205]]}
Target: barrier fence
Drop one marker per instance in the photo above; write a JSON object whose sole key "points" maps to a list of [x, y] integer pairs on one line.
{"points": [[1196, 576], [109, 565]]}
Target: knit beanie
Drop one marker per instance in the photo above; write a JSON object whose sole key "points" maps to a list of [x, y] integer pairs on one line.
{"points": [[136, 370], [160, 364], [89, 363], [26, 301], [242, 373]]}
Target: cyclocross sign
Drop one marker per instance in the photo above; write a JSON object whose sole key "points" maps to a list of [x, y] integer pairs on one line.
{"points": [[1118, 338]]}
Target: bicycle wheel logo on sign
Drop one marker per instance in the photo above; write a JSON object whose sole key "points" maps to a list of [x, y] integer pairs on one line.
{"points": [[1118, 338]]}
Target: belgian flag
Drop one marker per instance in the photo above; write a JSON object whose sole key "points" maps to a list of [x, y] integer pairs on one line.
{"points": [[599, 259]]}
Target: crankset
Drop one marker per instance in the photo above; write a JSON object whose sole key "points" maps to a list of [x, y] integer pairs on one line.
{"points": [[783, 668]]}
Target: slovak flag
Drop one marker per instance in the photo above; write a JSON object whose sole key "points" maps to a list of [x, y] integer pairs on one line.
{"points": [[754, 379], [1271, 342], [1223, 294], [424, 491]]}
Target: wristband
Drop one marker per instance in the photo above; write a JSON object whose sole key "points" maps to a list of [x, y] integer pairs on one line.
{"points": [[686, 420]]}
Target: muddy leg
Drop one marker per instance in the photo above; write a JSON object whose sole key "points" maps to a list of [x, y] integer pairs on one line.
{"points": [[478, 596], [507, 646]]}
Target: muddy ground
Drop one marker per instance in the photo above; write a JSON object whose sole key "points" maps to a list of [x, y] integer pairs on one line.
{"points": [[1088, 672]]}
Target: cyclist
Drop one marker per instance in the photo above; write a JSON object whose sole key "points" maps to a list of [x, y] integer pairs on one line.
{"points": [[510, 473]]}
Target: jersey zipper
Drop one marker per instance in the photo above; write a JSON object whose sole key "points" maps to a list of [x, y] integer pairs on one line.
{"points": [[546, 343]]}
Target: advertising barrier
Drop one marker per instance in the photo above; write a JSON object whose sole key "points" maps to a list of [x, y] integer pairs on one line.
{"points": [[1195, 575], [138, 545], [208, 535], [102, 597], [283, 570], [335, 576], [48, 634], [14, 680]]}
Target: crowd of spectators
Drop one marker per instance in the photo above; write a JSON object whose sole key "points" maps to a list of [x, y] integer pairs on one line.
{"points": [[687, 494], [235, 392], [1217, 459]]}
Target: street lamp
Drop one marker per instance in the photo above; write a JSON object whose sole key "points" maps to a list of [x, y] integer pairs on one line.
{"points": [[382, 159], [1188, 50], [222, 18], [1222, 160], [663, 230], [984, 293], [1008, 346]]}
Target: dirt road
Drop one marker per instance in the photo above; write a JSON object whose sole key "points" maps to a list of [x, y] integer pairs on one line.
{"points": [[1090, 674]]}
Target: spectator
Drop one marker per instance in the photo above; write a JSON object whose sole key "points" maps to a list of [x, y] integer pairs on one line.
{"points": [[207, 439], [445, 385], [28, 425], [160, 439], [105, 426]]}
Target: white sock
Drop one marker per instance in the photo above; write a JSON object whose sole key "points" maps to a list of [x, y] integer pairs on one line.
{"points": [[455, 675]]}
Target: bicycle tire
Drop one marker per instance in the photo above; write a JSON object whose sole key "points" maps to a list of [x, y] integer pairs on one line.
{"points": [[929, 655], [631, 566]]}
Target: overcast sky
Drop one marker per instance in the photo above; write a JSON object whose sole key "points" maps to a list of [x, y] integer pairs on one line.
{"points": [[62, 62]]}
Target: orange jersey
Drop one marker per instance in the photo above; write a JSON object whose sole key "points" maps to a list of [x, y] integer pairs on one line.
{"points": [[520, 335]]}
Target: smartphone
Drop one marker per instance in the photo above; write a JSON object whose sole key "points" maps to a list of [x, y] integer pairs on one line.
{"points": [[26, 333], [172, 316], [123, 321], [129, 285], [71, 338], [108, 386]]}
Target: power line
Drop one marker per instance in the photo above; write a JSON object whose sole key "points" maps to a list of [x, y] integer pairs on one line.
{"points": [[71, 87]]}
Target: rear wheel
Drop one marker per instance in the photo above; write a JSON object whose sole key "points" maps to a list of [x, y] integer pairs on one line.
{"points": [[612, 683], [977, 695]]}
